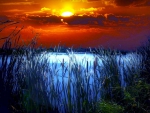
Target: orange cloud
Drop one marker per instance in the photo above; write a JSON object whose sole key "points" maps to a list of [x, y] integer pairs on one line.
{"points": [[89, 9], [14, 10], [18, 3], [45, 9]]}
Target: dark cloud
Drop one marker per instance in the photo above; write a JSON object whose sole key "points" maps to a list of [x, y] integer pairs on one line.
{"points": [[131, 2], [85, 20], [124, 19], [37, 20], [3, 18], [112, 17], [147, 3]]}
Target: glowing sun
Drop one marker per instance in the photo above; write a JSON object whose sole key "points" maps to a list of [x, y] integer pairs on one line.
{"points": [[67, 14]]}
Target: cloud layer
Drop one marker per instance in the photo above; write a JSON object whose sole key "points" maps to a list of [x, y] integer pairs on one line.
{"points": [[132, 2]]}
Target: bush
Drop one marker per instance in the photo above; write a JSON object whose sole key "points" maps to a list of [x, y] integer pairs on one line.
{"points": [[109, 107]]}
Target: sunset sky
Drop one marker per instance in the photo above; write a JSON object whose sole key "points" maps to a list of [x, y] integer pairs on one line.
{"points": [[121, 24]]}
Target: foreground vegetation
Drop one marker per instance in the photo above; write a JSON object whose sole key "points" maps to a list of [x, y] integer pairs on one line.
{"points": [[33, 85]]}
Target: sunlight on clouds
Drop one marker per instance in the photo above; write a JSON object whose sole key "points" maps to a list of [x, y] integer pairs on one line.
{"points": [[67, 14], [45, 9], [108, 2], [88, 9], [67, 10]]}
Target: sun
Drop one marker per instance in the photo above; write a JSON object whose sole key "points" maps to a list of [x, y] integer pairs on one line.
{"points": [[67, 14]]}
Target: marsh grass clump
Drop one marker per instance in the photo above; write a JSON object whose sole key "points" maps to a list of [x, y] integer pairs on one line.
{"points": [[145, 52], [34, 94], [110, 74], [121, 83]]}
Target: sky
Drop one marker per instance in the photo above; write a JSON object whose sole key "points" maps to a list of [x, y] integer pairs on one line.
{"points": [[119, 24]]}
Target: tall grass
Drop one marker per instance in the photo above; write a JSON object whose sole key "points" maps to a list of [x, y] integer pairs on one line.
{"points": [[7, 66], [71, 87]]}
